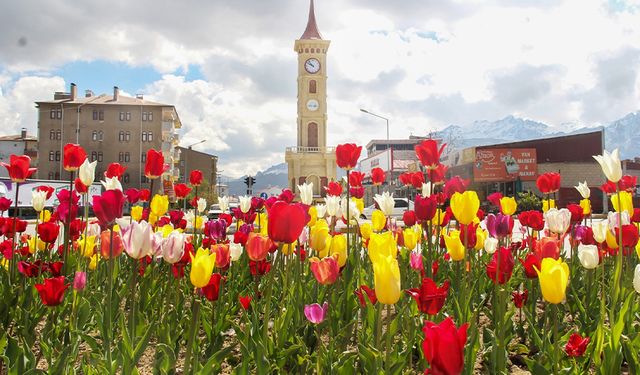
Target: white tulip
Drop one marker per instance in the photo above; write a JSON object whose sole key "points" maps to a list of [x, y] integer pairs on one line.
{"points": [[332, 205], [235, 251], [426, 190], [490, 245], [202, 204], [245, 203], [600, 229], [558, 221], [87, 172], [385, 202], [306, 193], [354, 213], [583, 189], [173, 247], [613, 219], [224, 203], [112, 183], [190, 216], [636, 279], [610, 164], [137, 239], [588, 255], [93, 229], [38, 200], [321, 209]]}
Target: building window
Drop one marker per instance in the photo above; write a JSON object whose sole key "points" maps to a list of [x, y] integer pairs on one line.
{"points": [[50, 175], [94, 136], [121, 116], [143, 157], [150, 137], [52, 114], [125, 178], [127, 157], [101, 116], [120, 157], [144, 136], [150, 116], [56, 175], [95, 115], [144, 116], [59, 135], [100, 135], [127, 136], [312, 86], [144, 179], [57, 156], [99, 156], [52, 134], [128, 116], [121, 136], [59, 114], [51, 156], [94, 156]]}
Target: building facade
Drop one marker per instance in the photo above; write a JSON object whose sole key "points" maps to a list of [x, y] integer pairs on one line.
{"points": [[20, 144], [191, 160], [111, 128], [311, 160]]}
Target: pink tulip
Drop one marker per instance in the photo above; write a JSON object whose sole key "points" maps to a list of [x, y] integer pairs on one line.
{"points": [[416, 261], [80, 280], [316, 313]]}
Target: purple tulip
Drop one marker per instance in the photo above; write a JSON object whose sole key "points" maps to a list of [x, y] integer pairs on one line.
{"points": [[216, 229], [316, 313], [79, 280], [499, 225]]}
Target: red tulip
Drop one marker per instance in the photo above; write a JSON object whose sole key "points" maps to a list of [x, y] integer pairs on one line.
{"points": [[5, 204], [429, 297], [530, 263], [577, 345], [370, 293], [455, 184], [628, 183], [576, 213], [520, 298], [195, 178], [29, 269], [547, 247], [629, 235], [347, 155], [73, 157], [548, 182], [355, 178], [286, 222], [154, 166], [417, 179], [245, 301], [223, 256], [259, 268], [409, 218], [286, 196], [182, 190], [114, 170], [18, 168], [67, 209], [425, 208], [48, 232], [334, 188], [500, 270], [50, 190], [133, 195], [325, 270], [608, 188], [378, 176], [108, 206], [532, 219], [437, 175], [80, 187], [211, 291], [443, 346], [357, 192], [145, 194], [258, 246], [428, 153], [405, 178], [52, 291], [494, 198]]}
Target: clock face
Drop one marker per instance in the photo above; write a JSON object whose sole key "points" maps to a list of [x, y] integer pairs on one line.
{"points": [[312, 65], [313, 105]]}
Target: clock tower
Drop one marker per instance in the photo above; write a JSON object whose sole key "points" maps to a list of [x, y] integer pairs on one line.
{"points": [[311, 160]]}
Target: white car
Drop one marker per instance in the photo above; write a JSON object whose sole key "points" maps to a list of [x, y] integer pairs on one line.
{"points": [[215, 211], [400, 206]]}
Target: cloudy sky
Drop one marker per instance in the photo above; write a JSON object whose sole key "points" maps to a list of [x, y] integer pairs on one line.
{"points": [[230, 69]]}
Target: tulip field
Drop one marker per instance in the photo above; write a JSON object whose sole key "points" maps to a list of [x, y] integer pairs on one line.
{"points": [[300, 284]]}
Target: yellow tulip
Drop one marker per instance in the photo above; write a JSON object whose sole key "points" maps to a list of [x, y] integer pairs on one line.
{"points": [[465, 206], [87, 246], [136, 213], [160, 205], [454, 245], [166, 230], [289, 248], [382, 245], [554, 277], [386, 275], [313, 214], [45, 216], [410, 238], [625, 199], [638, 249], [152, 218], [4, 263], [586, 206], [32, 245], [612, 241], [359, 203], [93, 264], [366, 230], [338, 246], [378, 220], [318, 235], [202, 267], [438, 218], [481, 236], [508, 205], [264, 229], [547, 204]]}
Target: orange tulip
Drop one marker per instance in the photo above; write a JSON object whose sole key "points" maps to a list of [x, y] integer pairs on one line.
{"points": [[325, 270], [258, 246]]}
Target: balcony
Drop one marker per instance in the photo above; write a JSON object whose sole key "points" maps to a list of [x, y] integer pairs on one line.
{"points": [[309, 150]]}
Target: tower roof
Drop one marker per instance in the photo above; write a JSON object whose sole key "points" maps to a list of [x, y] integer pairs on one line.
{"points": [[311, 32]]}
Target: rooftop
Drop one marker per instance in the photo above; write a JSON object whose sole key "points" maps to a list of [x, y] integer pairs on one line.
{"points": [[311, 32], [105, 99], [18, 137]]}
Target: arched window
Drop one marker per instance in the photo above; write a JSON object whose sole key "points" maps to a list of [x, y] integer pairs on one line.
{"points": [[312, 86], [312, 135]]}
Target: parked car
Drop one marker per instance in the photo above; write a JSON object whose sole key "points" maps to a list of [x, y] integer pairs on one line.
{"points": [[400, 206], [215, 211]]}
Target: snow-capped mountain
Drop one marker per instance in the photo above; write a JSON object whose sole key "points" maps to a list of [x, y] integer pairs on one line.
{"points": [[625, 135], [271, 181]]}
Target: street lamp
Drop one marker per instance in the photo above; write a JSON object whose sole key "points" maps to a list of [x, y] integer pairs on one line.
{"points": [[388, 142]]}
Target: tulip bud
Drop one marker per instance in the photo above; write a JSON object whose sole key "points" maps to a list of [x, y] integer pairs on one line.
{"points": [[610, 164], [306, 193], [235, 251], [245, 203], [79, 280], [202, 204], [385, 202], [38, 200], [490, 245], [332, 205], [583, 189], [224, 203], [588, 255], [87, 172]]}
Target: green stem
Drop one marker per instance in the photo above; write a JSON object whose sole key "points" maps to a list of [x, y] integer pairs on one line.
{"points": [[556, 347], [107, 333], [387, 361], [195, 324], [132, 304], [318, 366], [378, 325]]}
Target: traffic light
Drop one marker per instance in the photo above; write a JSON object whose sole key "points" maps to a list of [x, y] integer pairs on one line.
{"points": [[249, 181]]}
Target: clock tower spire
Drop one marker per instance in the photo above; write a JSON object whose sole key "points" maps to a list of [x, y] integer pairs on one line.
{"points": [[311, 160]]}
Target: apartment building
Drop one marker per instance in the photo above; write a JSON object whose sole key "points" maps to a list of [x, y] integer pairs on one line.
{"points": [[111, 128], [19, 144]]}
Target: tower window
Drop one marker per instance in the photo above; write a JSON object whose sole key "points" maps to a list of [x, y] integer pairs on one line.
{"points": [[312, 135], [312, 86]]}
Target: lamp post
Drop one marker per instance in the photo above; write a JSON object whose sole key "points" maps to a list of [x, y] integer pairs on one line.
{"points": [[185, 165], [388, 142]]}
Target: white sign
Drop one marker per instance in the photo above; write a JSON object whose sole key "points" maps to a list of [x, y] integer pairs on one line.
{"points": [[381, 160], [7, 189]]}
